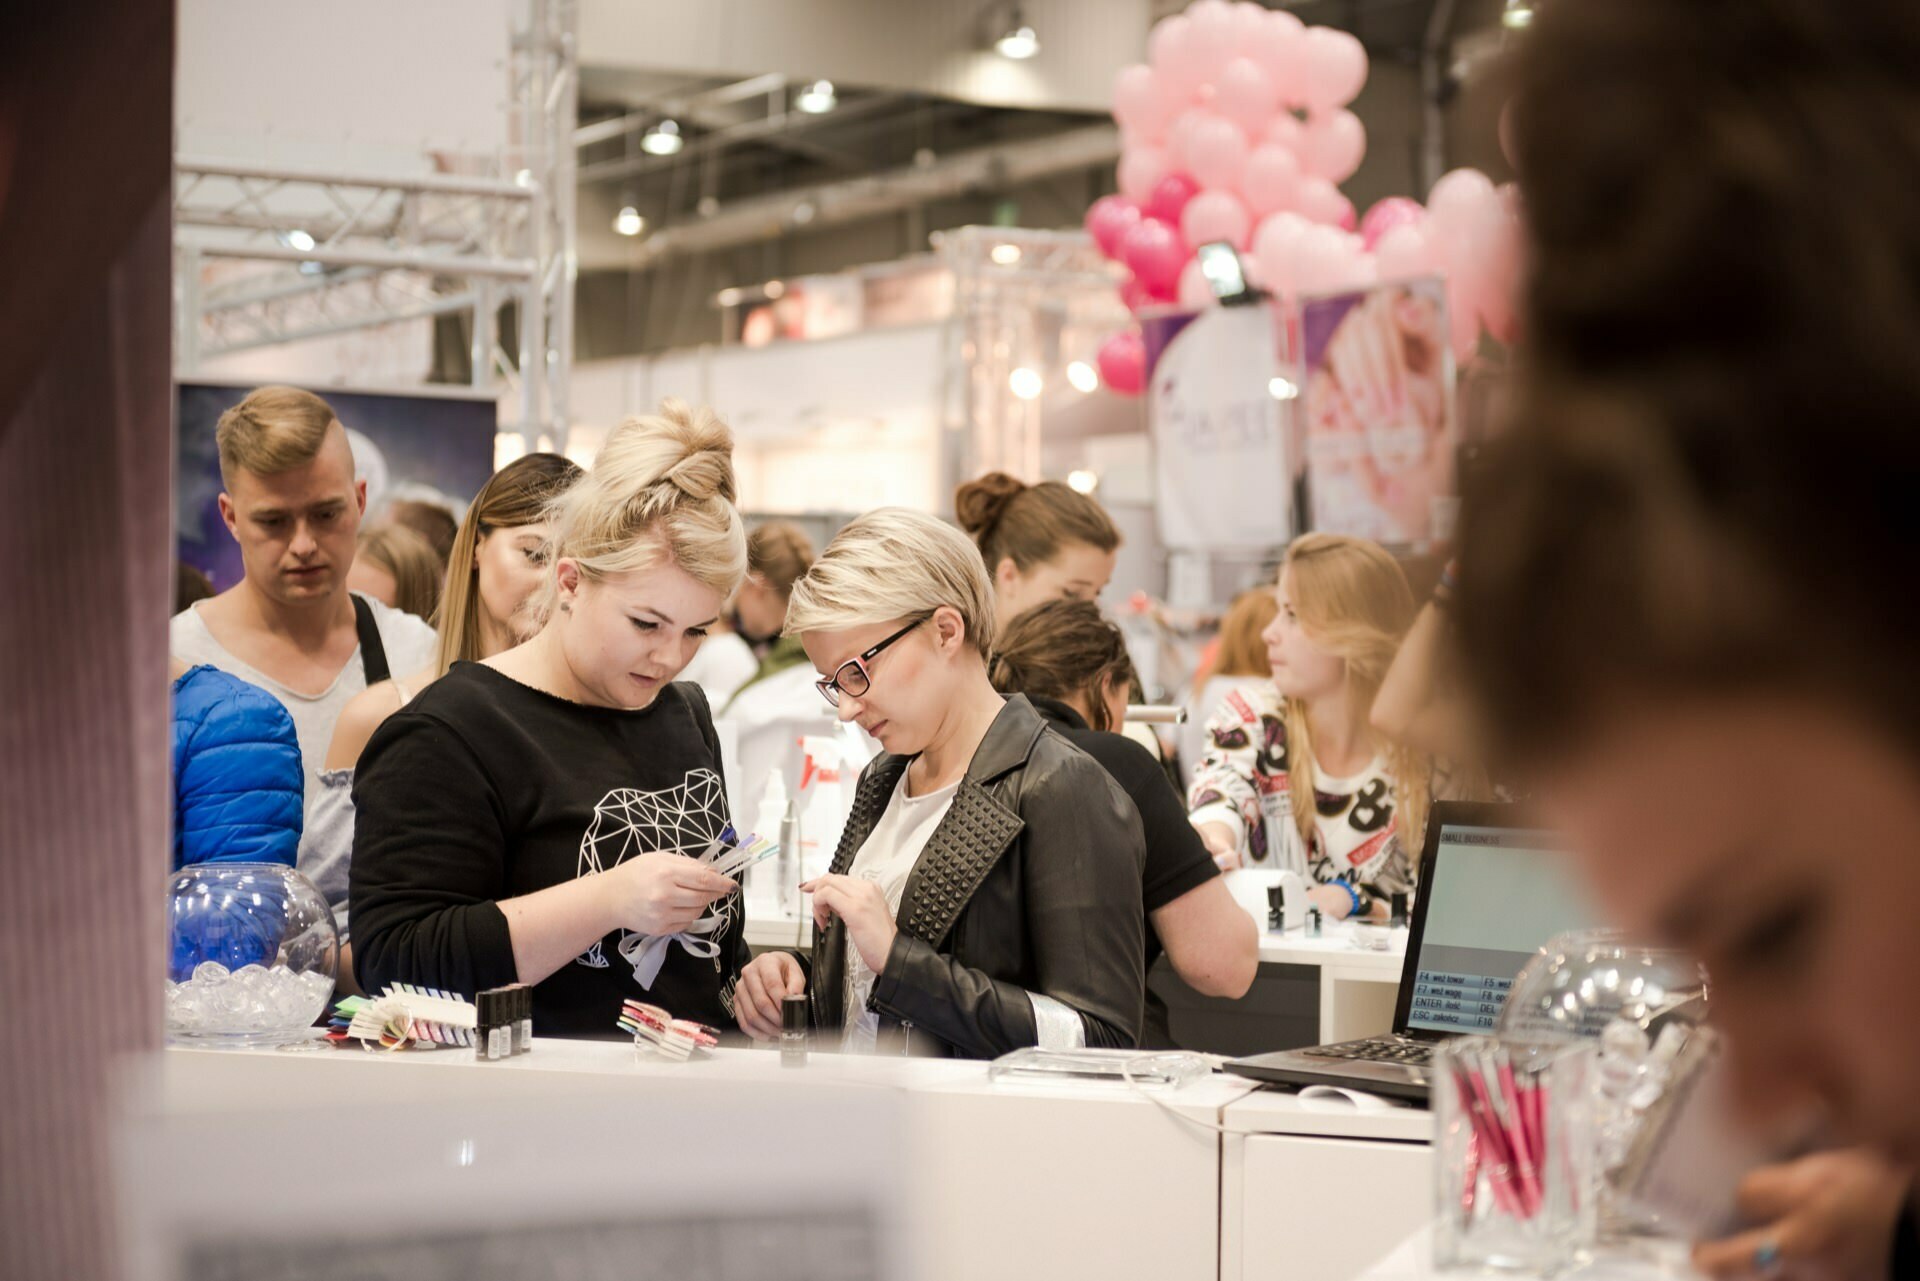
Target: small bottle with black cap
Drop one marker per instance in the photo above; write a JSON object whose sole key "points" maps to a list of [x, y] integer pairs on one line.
{"points": [[793, 1032]]}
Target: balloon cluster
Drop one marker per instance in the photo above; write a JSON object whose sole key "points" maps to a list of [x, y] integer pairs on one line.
{"points": [[1237, 129]]}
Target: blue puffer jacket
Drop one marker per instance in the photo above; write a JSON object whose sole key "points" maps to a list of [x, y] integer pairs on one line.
{"points": [[238, 788]]}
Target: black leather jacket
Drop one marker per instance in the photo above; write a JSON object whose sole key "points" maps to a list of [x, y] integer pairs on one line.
{"points": [[1029, 885]]}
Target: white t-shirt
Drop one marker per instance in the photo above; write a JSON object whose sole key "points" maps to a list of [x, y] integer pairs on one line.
{"points": [[721, 665], [410, 646], [887, 859]]}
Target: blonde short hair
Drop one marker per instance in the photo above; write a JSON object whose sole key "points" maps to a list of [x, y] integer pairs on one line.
{"points": [[272, 430], [661, 488], [894, 563]]}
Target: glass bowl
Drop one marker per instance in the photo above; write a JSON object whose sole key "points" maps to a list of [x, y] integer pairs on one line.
{"points": [[252, 952]]}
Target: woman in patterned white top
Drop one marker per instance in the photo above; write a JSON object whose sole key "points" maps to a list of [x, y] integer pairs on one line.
{"points": [[1344, 606]]}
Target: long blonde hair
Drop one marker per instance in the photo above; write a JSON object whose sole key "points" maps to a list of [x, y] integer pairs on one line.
{"points": [[1353, 600], [661, 488], [518, 494]]}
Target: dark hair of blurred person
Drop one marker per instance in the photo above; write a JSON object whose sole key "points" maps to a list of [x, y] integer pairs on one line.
{"points": [[432, 521], [397, 567], [1686, 601], [189, 585], [1072, 664]]}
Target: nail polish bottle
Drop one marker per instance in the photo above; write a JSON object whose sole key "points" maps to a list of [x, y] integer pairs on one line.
{"points": [[793, 1032]]}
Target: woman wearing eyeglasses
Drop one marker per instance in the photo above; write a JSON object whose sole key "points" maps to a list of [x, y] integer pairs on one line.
{"points": [[986, 893]]}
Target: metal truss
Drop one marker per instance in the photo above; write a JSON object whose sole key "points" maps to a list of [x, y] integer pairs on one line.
{"points": [[334, 252]]}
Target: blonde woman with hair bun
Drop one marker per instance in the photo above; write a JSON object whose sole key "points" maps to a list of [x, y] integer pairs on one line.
{"points": [[986, 894], [1294, 775], [530, 817]]}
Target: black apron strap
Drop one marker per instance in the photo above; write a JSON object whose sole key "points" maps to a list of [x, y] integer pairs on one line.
{"points": [[373, 655]]}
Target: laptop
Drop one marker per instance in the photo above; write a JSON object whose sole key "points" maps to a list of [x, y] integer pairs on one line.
{"points": [[1492, 890]]}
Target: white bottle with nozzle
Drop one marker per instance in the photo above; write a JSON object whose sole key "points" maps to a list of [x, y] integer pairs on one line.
{"points": [[767, 817]]}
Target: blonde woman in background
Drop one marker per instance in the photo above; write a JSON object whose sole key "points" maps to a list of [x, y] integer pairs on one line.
{"points": [[1294, 775], [484, 611], [986, 893], [397, 567], [530, 817]]}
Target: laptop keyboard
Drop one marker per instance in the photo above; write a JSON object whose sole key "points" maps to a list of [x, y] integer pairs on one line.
{"points": [[1377, 1049]]}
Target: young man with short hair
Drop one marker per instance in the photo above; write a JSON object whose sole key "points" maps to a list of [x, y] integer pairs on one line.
{"points": [[290, 625]]}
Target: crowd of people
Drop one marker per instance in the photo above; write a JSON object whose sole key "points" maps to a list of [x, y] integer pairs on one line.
{"points": [[516, 792]]}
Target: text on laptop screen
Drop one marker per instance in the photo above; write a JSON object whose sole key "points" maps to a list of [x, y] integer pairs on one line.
{"points": [[1495, 896]]}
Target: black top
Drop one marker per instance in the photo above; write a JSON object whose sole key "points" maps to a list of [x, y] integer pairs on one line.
{"points": [[1177, 860], [483, 789]]}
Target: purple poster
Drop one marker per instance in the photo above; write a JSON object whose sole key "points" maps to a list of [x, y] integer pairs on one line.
{"points": [[436, 447]]}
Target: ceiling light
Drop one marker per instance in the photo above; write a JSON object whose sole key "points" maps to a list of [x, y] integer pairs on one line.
{"points": [[803, 213], [729, 297], [297, 239], [628, 221], [1020, 41], [708, 206], [1518, 15], [663, 139], [1082, 481], [1082, 376], [524, 178], [817, 98], [1006, 255], [1282, 389], [1026, 383], [773, 289]]}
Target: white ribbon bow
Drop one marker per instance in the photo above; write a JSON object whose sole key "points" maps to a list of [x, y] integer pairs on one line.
{"points": [[648, 952]]}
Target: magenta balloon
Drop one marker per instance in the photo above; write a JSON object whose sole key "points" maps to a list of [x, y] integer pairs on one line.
{"points": [[1246, 95], [1140, 105], [1140, 171], [1155, 253], [1216, 215], [1332, 144], [1134, 294], [1333, 67], [1107, 221], [1388, 214], [1320, 200], [1170, 197], [1269, 179], [1123, 363], [1217, 153]]}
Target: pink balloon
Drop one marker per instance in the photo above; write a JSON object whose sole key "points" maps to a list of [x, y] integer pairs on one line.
{"points": [[1217, 153], [1214, 28], [1320, 200], [1141, 169], [1134, 294], [1216, 215], [1248, 20], [1123, 363], [1286, 132], [1320, 259], [1140, 105], [1246, 95], [1333, 67], [1332, 144], [1349, 219], [1403, 252], [1273, 249], [1155, 253], [1387, 214], [1175, 60], [1108, 219], [1461, 198], [1269, 179], [1195, 293], [1275, 45], [1170, 197]]}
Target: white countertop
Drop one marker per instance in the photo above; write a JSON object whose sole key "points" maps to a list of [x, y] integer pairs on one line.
{"points": [[1275, 1112], [1412, 1260], [1336, 953]]}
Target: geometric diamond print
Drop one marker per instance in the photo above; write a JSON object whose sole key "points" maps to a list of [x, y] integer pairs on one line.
{"points": [[629, 822]]}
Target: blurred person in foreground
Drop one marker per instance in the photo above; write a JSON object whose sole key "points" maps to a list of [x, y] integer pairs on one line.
{"points": [[1686, 602]]}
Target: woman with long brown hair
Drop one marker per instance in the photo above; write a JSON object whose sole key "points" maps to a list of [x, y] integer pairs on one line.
{"points": [[1295, 776]]}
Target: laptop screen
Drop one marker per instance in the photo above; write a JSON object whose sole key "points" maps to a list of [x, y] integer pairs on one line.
{"points": [[1494, 895]]}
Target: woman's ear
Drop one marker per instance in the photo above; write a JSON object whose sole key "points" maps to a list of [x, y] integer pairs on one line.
{"points": [[566, 573], [1006, 573], [949, 629]]}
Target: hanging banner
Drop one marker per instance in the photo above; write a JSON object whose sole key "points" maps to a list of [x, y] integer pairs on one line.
{"points": [[1379, 412], [1224, 476]]}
